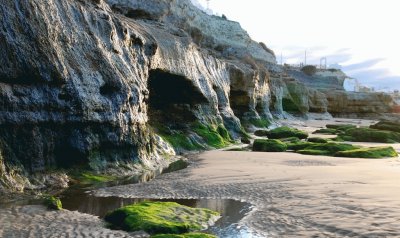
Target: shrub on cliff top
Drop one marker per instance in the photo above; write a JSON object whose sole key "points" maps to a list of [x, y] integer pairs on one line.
{"points": [[310, 70], [269, 145], [285, 132], [160, 218]]}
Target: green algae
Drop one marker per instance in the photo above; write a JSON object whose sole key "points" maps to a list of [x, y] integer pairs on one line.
{"points": [[269, 145], [373, 152], [52, 203], [285, 132], [370, 135], [317, 140], [160, 218]]}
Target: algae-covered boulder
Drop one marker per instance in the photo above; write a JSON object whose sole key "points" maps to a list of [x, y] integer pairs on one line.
{"points": [[371, 135], [326, 131], [318, 140], [52, 203], [313, 152], [285, 132], [374, 152], [161, 218], [340, 127], [299, 145], [387, 126], [269, 145], [290, 140], [324, 148], [261, 133], [187, 235]]}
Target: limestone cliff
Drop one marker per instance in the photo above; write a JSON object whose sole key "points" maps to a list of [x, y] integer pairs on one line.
{"points": [[96, 83]]}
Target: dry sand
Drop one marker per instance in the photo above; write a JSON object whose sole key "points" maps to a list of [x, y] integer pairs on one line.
{"points": [[293, 195]]}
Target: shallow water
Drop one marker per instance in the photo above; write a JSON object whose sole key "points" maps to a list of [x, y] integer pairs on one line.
{"points": [[81, 199]]}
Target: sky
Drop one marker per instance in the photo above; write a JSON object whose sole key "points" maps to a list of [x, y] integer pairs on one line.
{"points": [[360, 36]]}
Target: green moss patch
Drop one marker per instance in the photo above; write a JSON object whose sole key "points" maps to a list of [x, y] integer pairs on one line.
{"points": [[261, 123], [290, 140], [299, 145], [285, 132], [326, 131], [317, 140], [269, 145], [261, 133], [370, 135], [187, 235], [52, 203], [217, 137], [313, 152], [311, 148], [374, 152], [289, 105], [160, 218], [340, 127], [180, 140]]}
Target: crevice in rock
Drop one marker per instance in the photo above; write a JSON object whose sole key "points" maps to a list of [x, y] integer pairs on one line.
{"points": [[172, 99], [239, 101]]}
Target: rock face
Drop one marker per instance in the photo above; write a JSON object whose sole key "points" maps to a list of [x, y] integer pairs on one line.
{"points": [[357, 104], [88, 83]]}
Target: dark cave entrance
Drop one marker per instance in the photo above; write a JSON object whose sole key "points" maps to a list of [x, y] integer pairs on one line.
{"points": [[173, 99], [239, 101]]}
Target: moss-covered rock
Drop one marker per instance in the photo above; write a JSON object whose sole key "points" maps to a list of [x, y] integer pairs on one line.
{"points": [[332, 147], [160, 218], [317, 140], [370, 135], [285, 132], [187, 235], [215, 136], [374, 152], [52, 203], [313, 152], [299, 145], [261, 123], [269, 145], [387, 126], [261, 133], [341, 127], [178, 139], [326, 131], [290, 140]]}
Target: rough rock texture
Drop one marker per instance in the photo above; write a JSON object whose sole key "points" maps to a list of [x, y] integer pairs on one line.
{"points": [[87, 83], [81, 80], [357, 104]]}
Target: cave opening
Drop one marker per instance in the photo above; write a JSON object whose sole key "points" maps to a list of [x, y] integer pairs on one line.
{"points": [[173, 99], [239, 101]]}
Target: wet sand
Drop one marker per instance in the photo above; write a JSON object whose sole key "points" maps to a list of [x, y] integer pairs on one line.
{"points": [[293, 196]]}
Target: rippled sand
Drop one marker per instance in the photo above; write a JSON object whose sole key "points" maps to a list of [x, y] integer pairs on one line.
{"points": [[293, 196]]}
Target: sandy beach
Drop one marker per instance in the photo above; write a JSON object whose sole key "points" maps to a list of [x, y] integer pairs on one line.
{"points": [[292, 195]]}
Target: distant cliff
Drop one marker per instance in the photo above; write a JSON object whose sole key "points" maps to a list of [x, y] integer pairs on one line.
{"points": [[120, 85]]}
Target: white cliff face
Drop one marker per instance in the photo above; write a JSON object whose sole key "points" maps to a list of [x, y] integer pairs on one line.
{"points": [[209, 31], [88, 82]]}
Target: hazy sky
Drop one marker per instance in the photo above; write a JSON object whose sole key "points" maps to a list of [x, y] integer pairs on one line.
{"points": [[362, 36]]}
